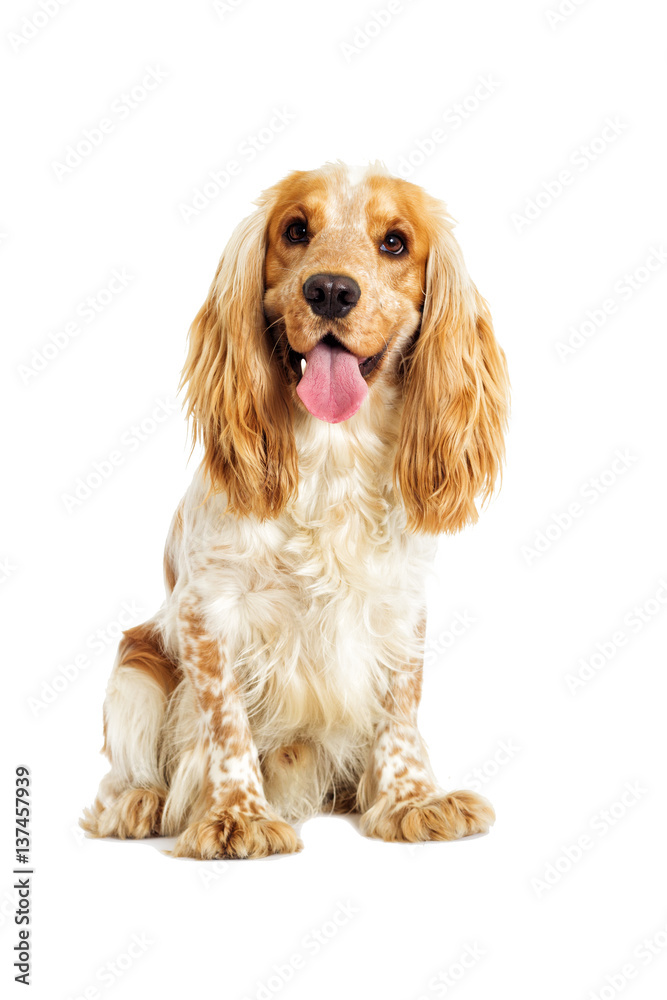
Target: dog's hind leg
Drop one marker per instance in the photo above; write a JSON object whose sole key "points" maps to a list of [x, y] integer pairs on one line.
{"points": [[131, 796]]}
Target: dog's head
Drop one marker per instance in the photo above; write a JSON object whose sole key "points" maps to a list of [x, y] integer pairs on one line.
{"points": [[338, 285]]}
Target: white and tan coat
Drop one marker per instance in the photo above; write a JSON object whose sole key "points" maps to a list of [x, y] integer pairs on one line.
{"points": [[282, 675]]}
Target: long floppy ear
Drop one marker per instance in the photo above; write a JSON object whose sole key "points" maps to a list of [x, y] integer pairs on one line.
{"points": [[236, 393], [451, 443]]}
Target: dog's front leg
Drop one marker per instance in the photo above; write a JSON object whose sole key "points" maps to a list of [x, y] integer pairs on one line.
{"points": [[398, 793], [238, 822]]}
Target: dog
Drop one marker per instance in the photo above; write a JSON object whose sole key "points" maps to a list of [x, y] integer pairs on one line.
{"points": [[346, 386]]}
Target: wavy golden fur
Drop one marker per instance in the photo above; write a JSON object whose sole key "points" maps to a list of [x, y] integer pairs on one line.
{"points": [[452, 374], [345, 382]]}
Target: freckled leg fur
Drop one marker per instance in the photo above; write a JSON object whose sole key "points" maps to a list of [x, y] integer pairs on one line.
{"points": [[228, 814], [398, 793], [238, 821], [131, 796]]}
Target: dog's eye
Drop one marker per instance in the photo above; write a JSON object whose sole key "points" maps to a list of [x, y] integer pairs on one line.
{"points": [[392, 243], [297, 232]]}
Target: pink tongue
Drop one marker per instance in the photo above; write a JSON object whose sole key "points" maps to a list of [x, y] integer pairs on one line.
{"points": [[332, 387]]}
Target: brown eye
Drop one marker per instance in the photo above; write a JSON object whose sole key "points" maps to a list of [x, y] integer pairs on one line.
{"points": [[297, 232], [393, 243]]}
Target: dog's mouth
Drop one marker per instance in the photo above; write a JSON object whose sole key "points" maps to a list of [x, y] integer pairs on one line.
{"points": [[366, 365], [332, 380]]}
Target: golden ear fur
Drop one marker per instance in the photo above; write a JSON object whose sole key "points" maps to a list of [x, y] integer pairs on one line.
{"points": [[451, 442], [236, 397]]}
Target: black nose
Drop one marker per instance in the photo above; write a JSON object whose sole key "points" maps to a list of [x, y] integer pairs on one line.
{"points": [[331, 295]]}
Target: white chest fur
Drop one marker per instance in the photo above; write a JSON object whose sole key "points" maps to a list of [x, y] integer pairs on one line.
{"points": [[318, 606]]}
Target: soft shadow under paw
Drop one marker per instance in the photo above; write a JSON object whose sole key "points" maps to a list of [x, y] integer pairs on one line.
{"points": [[445, 817], [237, 836]]}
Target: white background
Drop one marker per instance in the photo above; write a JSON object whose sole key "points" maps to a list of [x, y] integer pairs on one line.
{"points": [[540, 925]]}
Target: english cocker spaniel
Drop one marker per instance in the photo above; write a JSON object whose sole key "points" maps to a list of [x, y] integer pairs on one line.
{"points": [[346, 385]]}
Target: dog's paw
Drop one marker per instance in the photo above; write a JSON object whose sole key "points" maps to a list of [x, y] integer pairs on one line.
{"points": [[134, 813], [233, 835], [444, 817]]}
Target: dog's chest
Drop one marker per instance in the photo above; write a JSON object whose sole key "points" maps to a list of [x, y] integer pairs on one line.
{"points": [[337, 578], [319, 606]]}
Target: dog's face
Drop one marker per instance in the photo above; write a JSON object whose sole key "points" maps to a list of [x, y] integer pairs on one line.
{"points": [[344, 282]]}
